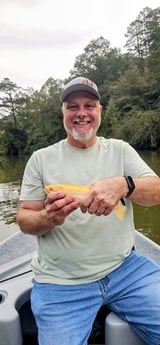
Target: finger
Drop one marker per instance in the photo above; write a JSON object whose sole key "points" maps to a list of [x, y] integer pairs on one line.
{"points": [[71, 207], [99, 211], [95, 206], [51, 197], [59, 215], [86, 203], [60, 203], [107, 211]]}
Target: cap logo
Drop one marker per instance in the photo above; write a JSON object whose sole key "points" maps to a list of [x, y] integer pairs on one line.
{"points": [[89, 83]]}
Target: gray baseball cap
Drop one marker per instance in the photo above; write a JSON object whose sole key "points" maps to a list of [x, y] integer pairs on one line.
{"points": [[79, 84]]}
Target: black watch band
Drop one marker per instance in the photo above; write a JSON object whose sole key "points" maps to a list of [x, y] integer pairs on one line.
{"points": [[130, 184]]}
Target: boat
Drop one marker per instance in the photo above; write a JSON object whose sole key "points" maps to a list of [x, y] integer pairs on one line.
{"points": [[17, 324]]}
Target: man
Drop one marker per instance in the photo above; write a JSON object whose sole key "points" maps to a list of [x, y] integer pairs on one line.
{"points": [[85, 255]]}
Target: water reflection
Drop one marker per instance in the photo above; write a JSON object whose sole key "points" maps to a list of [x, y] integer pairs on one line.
{"points": [[147, 221], [152, 158], [9, 195], [11, 171]]}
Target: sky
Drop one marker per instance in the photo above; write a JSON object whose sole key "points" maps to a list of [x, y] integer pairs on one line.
{"points": [[40, 39]]}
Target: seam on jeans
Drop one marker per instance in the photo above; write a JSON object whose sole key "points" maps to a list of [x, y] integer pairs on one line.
{"points": [[103, 283], [102, 289]]}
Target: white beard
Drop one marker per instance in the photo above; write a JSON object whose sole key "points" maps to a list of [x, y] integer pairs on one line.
{"points": [[83, 136], [77, 136]]}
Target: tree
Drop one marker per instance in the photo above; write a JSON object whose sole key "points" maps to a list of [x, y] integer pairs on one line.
{"points": [[12, 101], [128, 92], [44, 120], [141, 127], [143, 35], [153, 30], [110, 120], [8, 91], [86, 62]]}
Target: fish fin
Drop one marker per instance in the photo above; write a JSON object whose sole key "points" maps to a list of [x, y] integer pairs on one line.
{"points": [[120, 210]]}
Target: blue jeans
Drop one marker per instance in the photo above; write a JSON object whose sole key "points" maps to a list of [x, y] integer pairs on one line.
{"points": [[65, 314]]}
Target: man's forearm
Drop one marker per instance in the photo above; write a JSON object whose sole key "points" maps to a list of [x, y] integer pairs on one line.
{"points": [[34, 222], [147, 191]]}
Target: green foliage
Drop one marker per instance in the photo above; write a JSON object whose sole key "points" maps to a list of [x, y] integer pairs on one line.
{"points": [[44, 118], [86, 62], [141, 128], [13, 141], [143, 34], [129, 91], [109, 120]]}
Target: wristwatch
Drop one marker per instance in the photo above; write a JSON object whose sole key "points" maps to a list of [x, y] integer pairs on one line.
{"points": [[130, 184]]}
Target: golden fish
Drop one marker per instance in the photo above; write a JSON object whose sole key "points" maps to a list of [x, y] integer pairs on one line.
{"points": [[79, 192]]}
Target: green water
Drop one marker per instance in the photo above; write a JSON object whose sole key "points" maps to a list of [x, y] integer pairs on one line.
{"points": [[147, 220]]}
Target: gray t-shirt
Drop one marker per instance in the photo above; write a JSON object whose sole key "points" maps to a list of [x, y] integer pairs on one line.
{"points": [[86, 247]]}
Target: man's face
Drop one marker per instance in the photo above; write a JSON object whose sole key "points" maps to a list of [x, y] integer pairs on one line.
{"points": [[81, 118]]}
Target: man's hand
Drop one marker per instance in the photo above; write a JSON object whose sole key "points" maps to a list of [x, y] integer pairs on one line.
{"points": [[58, 206], [104, 196], [37, 217]]}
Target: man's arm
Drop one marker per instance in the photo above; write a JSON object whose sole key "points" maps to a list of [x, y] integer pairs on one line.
{"points": [[147, 191], [39, 217], [106, 193], [32, 218]]}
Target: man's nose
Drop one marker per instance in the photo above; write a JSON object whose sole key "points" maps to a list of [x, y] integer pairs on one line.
{"points": [[81, 111]]}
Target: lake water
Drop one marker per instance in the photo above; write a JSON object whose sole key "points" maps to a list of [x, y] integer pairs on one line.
{"points": [[147, 220]]}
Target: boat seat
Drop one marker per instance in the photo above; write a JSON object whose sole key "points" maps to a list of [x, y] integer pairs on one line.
{"points": [[118, 331]]}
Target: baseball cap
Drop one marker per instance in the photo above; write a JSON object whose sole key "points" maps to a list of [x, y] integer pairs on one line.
{"points": [[80, 84]]}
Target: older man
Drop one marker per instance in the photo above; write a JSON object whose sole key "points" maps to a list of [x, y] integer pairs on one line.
{"points": [[85, 255]]}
